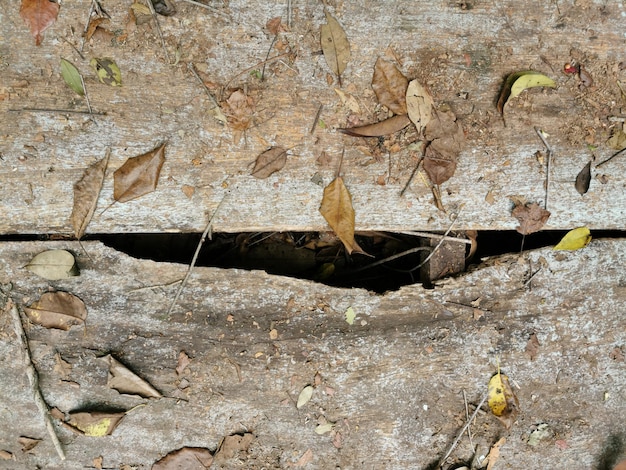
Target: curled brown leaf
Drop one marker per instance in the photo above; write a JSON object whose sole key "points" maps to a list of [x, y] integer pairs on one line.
{"points": [[386, 127], [531, 217]]}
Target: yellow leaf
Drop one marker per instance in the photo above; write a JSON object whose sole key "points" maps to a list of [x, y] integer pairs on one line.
{"points": [[501, 400], [574, 239], [520, 81], [337, 209], [350, 315]]}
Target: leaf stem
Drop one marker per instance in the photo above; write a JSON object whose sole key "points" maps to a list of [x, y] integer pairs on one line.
{"points": [[542, 136]]}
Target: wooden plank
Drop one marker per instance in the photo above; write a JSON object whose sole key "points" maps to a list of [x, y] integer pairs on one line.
{"points": [[392, 382], [461, 54]]}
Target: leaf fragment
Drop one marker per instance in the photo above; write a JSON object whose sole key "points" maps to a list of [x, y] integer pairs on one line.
{"points": [[517, 82], [60, 310], [583, 179], [95, 423], [164, 7], [502, 400], [531, 217], [126, 382], [335, 45], [188, 458], [388, 126], [54, 265], [28, 443], [574, 239], [337, 209], [350, 315], [390, 86], [86, 193], [446, 139], [419, 104], [305, 396], [107, 71], [270, 161], [138, 175], [39, 15], [71, 76], [324, 428]]}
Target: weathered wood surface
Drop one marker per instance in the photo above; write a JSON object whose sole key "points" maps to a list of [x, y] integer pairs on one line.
{"points": [[462, 55], [396, 375]]}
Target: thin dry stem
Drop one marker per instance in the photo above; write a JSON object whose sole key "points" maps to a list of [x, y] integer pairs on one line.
{"points": [[542, 136], [158, 26], [208, 7]]}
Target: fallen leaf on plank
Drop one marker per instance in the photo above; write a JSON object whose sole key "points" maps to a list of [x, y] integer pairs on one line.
{"points": [[39, 15], [574, 239], [138, 175], [583, 179], [390, 86], [518, 82], [335, 45], [531, 217], [419, 104], [502, 400], [54, 265], [337, 209], [94, 423], [60, 310], [305, 396], [446, 139], [187, 458], [126, 382], [270, 161], [71, 76], [86, 193], [386, 127]]}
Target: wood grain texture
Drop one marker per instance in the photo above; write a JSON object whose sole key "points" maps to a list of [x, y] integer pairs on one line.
{"points": [[461, 55], [392, 381]]}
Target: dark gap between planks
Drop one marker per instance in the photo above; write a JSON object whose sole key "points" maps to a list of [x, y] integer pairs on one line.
{"points": [[306, 255]]}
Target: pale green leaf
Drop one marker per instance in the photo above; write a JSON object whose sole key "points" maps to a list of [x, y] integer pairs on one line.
{"points": [[350, 315], [305, 396], [71, 75], [54, 265]]}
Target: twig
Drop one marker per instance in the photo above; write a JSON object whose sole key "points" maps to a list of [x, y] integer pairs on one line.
{"points": [[91, 10], [458, 438], [390, 258], [208, 7], [443, 239], [469, 431], [434, 235], [47, 110], [289, 13], [156, 21], [33, 378], [269, 51], [255, 66], [542, 136], [207, 232], [192, 69], [408, 183], [611, 157], [317, 118]]}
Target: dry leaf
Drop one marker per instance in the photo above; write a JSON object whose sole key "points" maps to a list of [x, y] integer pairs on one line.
{"points": [[95, 423], [54, 265], [239, 111], [6, 455], [305, 396], [390, 86], [520, 81], [494, 453], [187, 458], [348, 101], [531, 217], [183, 362], [501, 400], [532, 346], [94, 24], [419, 105], [39, 15], [335, 45], [275, 25], [337, 209], [124, 381], [446, 139], [138, 175], [61, 366], [386, 127], [232, 445], [60, 310], [97, 462], [86, 193], [270, 161], [164, 7], [583, 179], [574, 239], [306, 458], [28, 443]]}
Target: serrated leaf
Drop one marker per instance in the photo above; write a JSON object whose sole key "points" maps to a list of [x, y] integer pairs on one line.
{"points": [[39, 15], [337, 209], [419, 104], [71, 76], [60, 310], [305, 396], [390, 86], [335, 45], [350, 315], [54, 265], [86, 193], [386, 127], [518, 82], [574, 239], [270, 161], [138, 175]]}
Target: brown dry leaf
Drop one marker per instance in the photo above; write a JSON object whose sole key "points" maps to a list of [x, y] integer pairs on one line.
{"points": [[532, 346], [232, 445], [6, 455], [86, 193], [126, 382], [138, 175], [335, 45], [386, 127], [390, 86], [97, 462], [28, 443], [583, 179], [446, 141], [61, 366], [531, 217], [60, 310], [94, 423], [337, 209], [270, 161], [494, 453], [306, 458], [187, 458], [164, 7], [39, 15], [183, 362], [94, 23], [275, 26], [239, 110], [419, 104]]}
